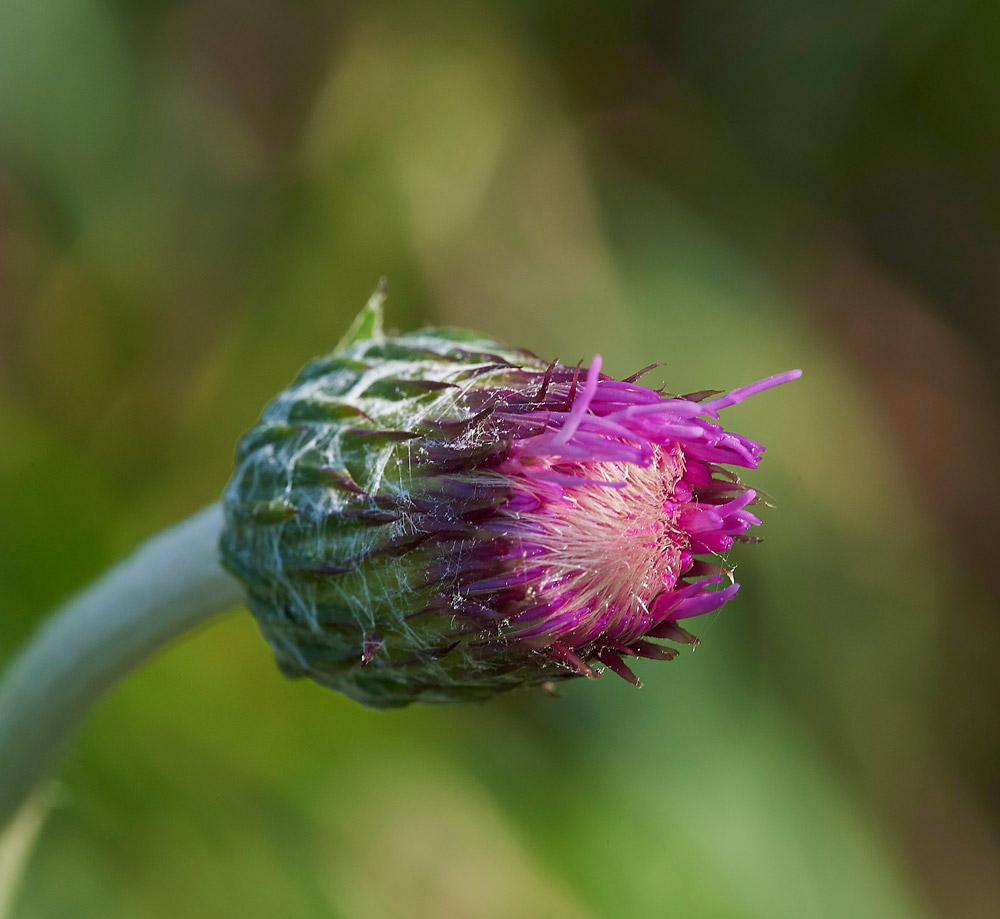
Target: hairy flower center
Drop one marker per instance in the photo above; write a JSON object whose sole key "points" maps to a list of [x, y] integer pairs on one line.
{"points": [[604, 552]]}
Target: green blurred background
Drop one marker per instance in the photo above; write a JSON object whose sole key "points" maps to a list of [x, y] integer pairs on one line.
{"points": [[195, 198]]}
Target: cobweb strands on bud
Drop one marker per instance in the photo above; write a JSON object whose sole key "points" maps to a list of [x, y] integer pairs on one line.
{"points": [[439, 517]]}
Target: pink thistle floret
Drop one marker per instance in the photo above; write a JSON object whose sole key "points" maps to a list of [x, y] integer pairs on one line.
{"points": [[616, 494]]}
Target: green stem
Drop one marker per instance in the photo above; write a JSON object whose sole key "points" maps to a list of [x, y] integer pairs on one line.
{"points": [[166, 587]]}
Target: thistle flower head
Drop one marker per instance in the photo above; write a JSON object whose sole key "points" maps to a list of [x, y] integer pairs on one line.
{"points": [[438, 517]]}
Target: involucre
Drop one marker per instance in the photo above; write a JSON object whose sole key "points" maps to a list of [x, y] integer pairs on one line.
{"points": [[438, 517]]}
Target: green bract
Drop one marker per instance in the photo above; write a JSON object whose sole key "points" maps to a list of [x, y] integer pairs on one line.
{"points": [[341, 496]]}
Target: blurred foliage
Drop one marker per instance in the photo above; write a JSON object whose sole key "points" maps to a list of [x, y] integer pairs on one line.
{"points": [[195, 198]]}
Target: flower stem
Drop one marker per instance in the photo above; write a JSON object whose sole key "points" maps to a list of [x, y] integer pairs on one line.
{"points": [[169, 585]]}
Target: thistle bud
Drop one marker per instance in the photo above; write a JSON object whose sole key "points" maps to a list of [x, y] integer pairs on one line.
{"points": [[437, 517]]}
